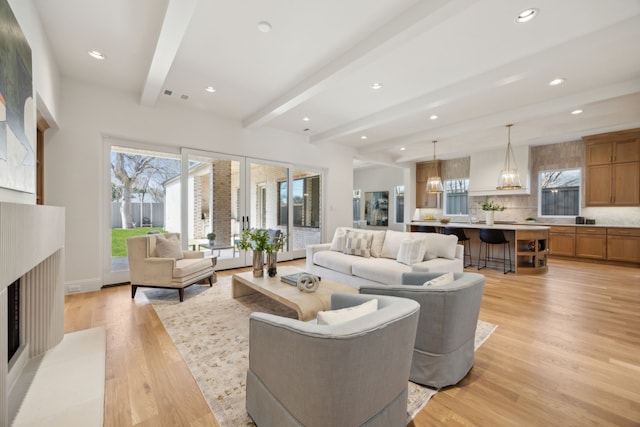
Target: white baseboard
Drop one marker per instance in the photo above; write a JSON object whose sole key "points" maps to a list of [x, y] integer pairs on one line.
{"points": [[80, 286]]}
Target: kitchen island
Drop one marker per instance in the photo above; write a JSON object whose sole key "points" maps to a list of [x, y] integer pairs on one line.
{"points": [[529, 244]]}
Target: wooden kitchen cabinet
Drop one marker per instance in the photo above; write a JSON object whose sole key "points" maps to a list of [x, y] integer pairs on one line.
{"points": [[562, 240], [612, 169], [623, 244], [591, 242], [423, 171]]}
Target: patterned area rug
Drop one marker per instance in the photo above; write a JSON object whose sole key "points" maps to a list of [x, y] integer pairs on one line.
{"points": [[211, 331]]}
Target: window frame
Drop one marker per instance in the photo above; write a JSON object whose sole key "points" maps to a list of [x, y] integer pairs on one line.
{"points": [[445, 204], [579, 191]]}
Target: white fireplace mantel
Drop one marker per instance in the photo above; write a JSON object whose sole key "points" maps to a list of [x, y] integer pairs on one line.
{"points": [[31, 248]]}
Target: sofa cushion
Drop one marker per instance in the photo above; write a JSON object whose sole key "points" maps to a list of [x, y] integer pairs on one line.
{"points": [[169, 248], [381, 270], [187, 266], [440, 246], [438, 265], [336, 261], [392, 242], [332, 317], [411, 251], [358, 243]]}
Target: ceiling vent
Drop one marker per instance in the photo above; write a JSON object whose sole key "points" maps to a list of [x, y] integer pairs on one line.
{"points": [[168, 92]]}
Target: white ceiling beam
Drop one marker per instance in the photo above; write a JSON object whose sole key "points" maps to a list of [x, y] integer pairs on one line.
{"points": [[416, 19], [175, 24], [502, 75], [518, 115]]}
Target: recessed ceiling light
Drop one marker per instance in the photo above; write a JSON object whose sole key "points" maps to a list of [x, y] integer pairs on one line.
{"points": [[526, 15], [363, 137], [305, 118], [376, 86], [576, 112], [433, 117], [402, 148], [264, 26], [97, 55], [556, 82], [210, 89]]}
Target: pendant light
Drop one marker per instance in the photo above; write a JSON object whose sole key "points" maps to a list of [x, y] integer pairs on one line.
{"points": [[434, 183], [509, 178]]}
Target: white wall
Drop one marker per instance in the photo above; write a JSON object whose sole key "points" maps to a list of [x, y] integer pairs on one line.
{"points": [[382, 178], [75, 163]]}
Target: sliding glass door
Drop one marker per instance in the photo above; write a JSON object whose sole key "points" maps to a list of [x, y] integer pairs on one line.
{"points": [[144, 188], [214, 205], [209, 198]]}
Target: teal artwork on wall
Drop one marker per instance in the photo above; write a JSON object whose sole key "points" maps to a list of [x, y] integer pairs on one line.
{"points": [[17, 108]]}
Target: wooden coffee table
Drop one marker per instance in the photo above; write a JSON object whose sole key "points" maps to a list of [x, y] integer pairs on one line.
{"points": [[307, 304]]}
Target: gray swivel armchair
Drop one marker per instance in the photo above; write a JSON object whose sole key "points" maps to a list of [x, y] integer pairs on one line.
{"points": [[348, 374], [444, 344]]}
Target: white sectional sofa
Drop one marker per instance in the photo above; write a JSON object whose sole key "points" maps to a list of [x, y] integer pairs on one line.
{"points": [[359, 257]]}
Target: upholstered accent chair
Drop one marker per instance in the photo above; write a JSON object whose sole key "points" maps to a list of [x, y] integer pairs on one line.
{"points": [[444, 345], [158, 261], [348, 374]]}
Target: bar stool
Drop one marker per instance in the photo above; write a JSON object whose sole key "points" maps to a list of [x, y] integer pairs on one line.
{"points": [[466, 242], [490, 236]]}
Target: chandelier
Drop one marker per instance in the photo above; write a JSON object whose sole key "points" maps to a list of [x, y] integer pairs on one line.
{"points": [[434, 183], [509, 178]]}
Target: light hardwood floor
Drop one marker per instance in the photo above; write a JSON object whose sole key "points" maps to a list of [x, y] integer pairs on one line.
{"points": [[566, 352]]}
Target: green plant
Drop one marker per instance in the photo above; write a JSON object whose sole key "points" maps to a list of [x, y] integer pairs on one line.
{"points": [[255, 239], [211, 236], [277, 243], [489, 205], [530, 218]]}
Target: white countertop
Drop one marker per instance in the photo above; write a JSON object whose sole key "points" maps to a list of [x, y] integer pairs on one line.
{"points": [[478, 225]]}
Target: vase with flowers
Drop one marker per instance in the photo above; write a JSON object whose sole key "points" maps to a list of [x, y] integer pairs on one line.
{"points": [[256, 240], [490, 207]]}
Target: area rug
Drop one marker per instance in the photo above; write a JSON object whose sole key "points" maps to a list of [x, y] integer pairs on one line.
{"points": [[211, 331]]}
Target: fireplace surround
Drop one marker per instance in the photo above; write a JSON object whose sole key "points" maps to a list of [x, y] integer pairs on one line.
{"points": [[32, 251]]}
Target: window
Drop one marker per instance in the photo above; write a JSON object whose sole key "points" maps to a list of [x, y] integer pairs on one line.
{"points": [[456, 200], [306, 202], [356, 205], [560, 192], [399, 203]]}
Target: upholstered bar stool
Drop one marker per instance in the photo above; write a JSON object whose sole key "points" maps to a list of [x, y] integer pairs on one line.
{"points": [[463, 239], [488, 238]]}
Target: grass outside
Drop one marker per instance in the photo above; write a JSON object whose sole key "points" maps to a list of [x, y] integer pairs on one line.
{"points": [[120, 235]]}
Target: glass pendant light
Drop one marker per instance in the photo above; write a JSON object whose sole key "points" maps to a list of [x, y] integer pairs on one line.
{"points": [[509, 178], [434, 183]]}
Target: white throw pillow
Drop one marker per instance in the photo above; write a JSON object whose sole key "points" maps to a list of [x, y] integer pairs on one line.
{"points": [[440, 246], [445, 279], [392, 242], [411, 251], [358, 243], [339, 239], [333, 317], [169, 248], [376, 242]]}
